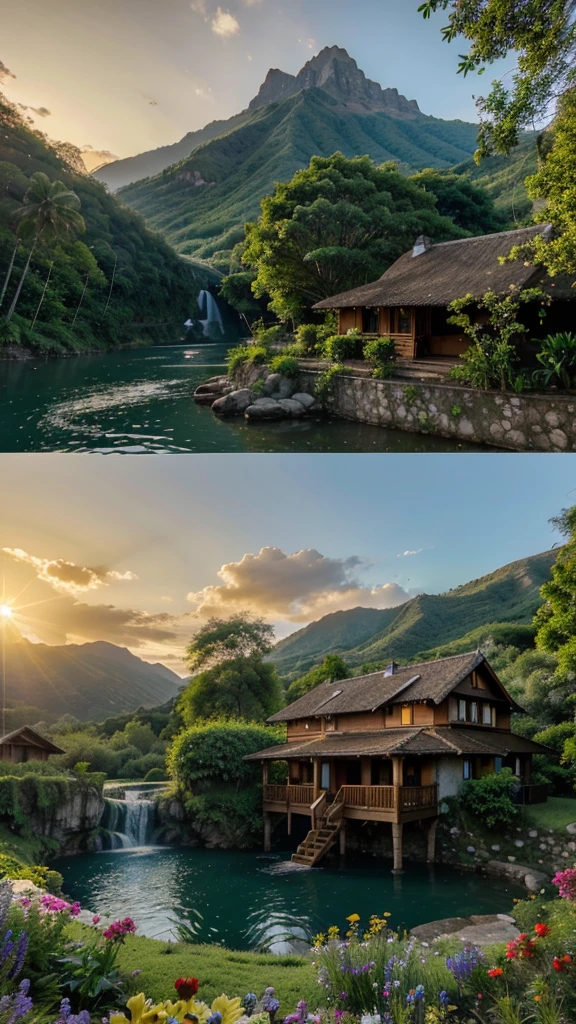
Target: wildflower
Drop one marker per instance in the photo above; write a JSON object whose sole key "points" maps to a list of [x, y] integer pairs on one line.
{"points": [[25, 902], [186, 988], [461, 965], [541, 929], [560, 963], [95, 918], [495, 972], [270, 1004], [566, 883], [75, 909], [319, 939], [353, 919], [249, 1003], [20, 956], [119, 929], [444, 998], [215, 1018]]}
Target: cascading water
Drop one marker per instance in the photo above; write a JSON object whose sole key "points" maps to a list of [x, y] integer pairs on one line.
{"points": [[209, 311], [129, 821]]}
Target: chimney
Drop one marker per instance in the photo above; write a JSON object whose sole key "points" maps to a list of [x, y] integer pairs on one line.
{"points": [[391, 669], [422, 245]]}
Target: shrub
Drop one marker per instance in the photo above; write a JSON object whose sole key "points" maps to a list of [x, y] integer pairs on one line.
{"points": [[490, 798], [275, 335], [156, 775], [381, 352], [308, 338], [236, 357], [286, 365], [557, 356], [43, 877], [343, 346], [325, 382], [214, 752]]}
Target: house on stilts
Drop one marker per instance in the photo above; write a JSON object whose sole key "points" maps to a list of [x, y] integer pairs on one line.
{"points": [[389, 747]]}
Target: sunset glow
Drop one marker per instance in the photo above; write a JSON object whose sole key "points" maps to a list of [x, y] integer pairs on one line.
{"points": [[5, 611]]}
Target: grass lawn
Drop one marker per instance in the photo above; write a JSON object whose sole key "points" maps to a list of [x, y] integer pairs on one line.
{"points": [[557, 813], [218, 970]]}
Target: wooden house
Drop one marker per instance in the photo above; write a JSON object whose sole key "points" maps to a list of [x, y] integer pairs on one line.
{"points": [[390, 746], [410, 301], [25, 744]]}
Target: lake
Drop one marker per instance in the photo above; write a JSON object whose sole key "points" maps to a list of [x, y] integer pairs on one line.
{"points": [[243, 901], [141, 401]]}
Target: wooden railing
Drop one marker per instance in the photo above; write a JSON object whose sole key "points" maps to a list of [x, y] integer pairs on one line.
{"points": [[377, 797], [414, 797], [303, 795]]}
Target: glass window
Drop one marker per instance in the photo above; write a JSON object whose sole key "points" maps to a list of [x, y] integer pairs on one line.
{"points": [[486, 714], [401, 321], [407, 714], [461, 710], [325, 776], [474, 712], [467, 769], [370, 321], [498, 765]]}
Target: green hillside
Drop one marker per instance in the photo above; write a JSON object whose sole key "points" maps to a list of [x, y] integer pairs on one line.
{"points": [[427, 623], [201, 204], [503, 178], [148, 284]]}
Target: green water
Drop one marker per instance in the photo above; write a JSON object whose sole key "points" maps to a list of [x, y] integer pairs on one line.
{"points": [[243, 901], [140, 401]]}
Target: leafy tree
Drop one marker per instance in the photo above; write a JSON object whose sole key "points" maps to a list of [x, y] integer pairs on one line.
{"points": [[556, 619], [467, 204], [213, 753], [136, 734], [337, 224], [222, 639], [490, 798], [332, 668], [244, 687], [542, 35]]}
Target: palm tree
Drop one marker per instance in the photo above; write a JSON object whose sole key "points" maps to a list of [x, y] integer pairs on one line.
{"points": [[50, 208]]}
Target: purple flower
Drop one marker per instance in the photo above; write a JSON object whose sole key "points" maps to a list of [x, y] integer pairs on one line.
{"points": [[462, 965], [215, 1018], [20, 957], [444, 998]]}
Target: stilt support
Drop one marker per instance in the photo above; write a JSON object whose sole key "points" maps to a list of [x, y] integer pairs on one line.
{"points": [[342, 840], [267, 832], [397, 847], [431, 855]]}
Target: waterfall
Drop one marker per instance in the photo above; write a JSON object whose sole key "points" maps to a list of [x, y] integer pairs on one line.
{"points": [[209, 310], [128, 822]]}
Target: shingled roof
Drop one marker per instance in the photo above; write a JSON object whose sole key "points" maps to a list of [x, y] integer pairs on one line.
{"points": [[426, 681], [448, 740], [25, 736], [451, 270]]}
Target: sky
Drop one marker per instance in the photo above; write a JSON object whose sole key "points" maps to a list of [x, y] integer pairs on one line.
{"points": [[124, 77], [141, 551]]}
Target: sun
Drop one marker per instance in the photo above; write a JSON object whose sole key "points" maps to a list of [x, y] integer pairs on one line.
{"points": [[5, 611]]}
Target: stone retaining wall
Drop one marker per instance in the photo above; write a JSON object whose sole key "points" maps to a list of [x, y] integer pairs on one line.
{"points": [[518, 422]]}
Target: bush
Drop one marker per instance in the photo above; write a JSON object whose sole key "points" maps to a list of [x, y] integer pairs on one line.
{"points": [[286, 365], [381, 353], [343, 346], [325, 382], [156, 775], [490, 798], [308, 338], [276, 335], [43, 877], [557, 356], [214, 752]]}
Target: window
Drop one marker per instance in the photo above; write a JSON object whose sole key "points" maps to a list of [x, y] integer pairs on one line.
{"points": [[325, 776], [486, 714], [401, 321], [498, 765], [493, 713], [370, 321], [461, 710], [474, 712], [518, 768], [407, 714], [467, 770]]}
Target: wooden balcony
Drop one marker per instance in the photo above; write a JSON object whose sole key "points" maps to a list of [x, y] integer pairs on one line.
{"points": [[364, 803]]}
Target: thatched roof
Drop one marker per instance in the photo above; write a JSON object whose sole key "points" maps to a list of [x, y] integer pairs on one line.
{"points": [[451, 270], [27, 737], [426, 740], [429, 681]]}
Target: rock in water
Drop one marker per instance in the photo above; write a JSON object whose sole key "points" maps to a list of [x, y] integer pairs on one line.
{"points": [[265, 409], [306, 400], [233, 404], [292, 408]]}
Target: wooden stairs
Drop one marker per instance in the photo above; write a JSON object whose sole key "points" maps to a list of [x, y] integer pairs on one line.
{"points": [[322, 838]]}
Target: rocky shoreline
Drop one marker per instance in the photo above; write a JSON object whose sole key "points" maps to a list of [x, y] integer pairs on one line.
{"points": [[262, 396]]}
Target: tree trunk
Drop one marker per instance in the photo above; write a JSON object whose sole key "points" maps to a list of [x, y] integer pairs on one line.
{"points": [[38, 307], [10, 313], [9, 272]]}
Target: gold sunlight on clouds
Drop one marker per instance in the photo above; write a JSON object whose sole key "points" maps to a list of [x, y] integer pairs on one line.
{"points": [[67, 577], [225, 24]]}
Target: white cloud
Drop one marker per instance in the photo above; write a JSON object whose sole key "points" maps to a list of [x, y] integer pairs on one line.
{"points": [[408, 554], [205, 93], [198, 6], [67, 577], [252, 3], [296, 587], [225, 24]]}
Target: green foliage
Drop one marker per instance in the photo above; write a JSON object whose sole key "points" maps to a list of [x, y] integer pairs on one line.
{"points": [[236, 814], [244, 687], [151, 283], [286, 365], [332, 668], [490, 799], [308, 338], [269, 336], [558, 358], [469, 205], [491, 359], [343, 346], [236, 637], [503, 178], [254, 355], [381, 353], [326, 380], [43, 877], [155, 775], [335, 225], [236, 289], [213, 752], [556, 619], [411, 393], [90, 976]]}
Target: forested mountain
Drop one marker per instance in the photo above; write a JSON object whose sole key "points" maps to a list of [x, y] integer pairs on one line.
{"points": [[201, 204], [503, 178], [90, 681], [112, 284], [364, 635]]}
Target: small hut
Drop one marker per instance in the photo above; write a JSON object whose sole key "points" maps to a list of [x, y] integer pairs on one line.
{"points": [[25, 744]]}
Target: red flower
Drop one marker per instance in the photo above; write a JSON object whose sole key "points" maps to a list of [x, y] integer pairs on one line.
{"points": [[560, 962], [186, 988], [542, 930], [511, 954], [496, 972]]}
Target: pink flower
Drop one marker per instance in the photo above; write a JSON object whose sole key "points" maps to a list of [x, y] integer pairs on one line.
{"points": [[566, 882], [95, 918], [119, 929], [75, 909], [25, 902]]}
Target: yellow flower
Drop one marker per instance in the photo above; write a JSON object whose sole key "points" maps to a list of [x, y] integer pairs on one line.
{"points": [[141, 1010], [231, 1009], [333, 931], [354, 918], [387, 913], [319, 939]]}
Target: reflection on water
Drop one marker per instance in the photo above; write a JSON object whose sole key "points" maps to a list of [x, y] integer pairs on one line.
{"points": [[141, 401], [243, 902]]}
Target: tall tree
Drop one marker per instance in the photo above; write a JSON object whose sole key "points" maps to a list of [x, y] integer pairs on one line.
{"points": [[245, 687], [556, 619], [225, 639], [332, 668], [337, 224], [467, 204], [49, 209]]}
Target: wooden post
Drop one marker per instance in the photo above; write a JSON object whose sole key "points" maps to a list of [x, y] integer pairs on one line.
{"points": [[397, 847], [316, 779], [265, 769], [342, 840], [431, 856], [267, 832]]}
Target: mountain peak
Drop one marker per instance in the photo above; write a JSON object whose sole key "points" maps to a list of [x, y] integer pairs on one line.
{"points": [[334, 71]]}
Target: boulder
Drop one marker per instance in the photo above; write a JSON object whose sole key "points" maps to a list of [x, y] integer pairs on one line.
{"points": [[277, 386], [571, 828], [265, 409], [306, 400], [292, 408], [234, 404], [533, 880]]}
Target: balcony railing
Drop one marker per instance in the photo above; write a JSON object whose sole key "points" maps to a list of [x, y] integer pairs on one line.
{"points": [[302, 795], [415, 797], [369, 798]]}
